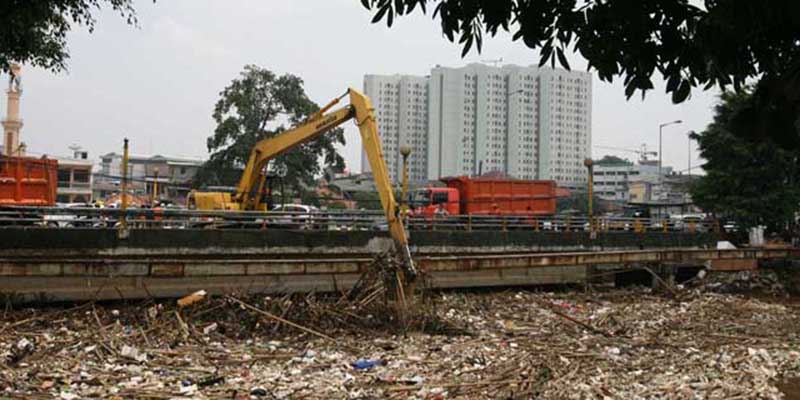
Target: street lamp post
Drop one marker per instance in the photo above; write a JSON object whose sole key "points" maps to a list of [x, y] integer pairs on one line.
{"points": [[660, 132], [155, 196], [589, 164], [689, 152], [660, 158], [405, 151]]}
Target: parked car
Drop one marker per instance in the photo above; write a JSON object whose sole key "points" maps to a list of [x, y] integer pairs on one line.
{"points": [[298, 216], [381, 225], [67, 220]]}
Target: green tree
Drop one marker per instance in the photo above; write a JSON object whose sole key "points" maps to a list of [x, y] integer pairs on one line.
{"points": [[579, 202], [721, 43], [612, 160], [751, 182], [367, 200], [337, 205], [253, 108], [34, 32]]}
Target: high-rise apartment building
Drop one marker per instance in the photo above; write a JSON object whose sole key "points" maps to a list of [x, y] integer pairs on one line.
{"points": [[483, 119], [527, 122], [401, 108]]}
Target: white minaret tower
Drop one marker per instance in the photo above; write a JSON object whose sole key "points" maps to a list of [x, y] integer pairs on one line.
{"points": [[13, 124]]}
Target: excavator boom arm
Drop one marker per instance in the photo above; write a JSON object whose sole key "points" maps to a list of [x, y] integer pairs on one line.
{"points": [[365, 119], [270, 148], [362, 111]]}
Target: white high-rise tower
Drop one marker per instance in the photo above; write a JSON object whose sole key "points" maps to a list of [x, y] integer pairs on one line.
{"points": [[526, 122]]}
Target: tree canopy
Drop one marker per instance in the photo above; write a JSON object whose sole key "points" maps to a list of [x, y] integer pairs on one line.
{"points": [[579, 204], [254, 107], [721, 43], [751, 183], [612, 160], [34, 32]]}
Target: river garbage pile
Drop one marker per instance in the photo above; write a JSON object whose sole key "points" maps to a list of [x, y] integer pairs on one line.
{"points": [[486, 344]]}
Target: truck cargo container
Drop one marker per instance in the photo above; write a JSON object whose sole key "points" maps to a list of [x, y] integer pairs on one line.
{"points": [[486, 196], [28, 181]]}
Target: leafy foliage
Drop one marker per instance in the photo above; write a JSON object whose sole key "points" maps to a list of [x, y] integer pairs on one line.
{"points": [[751, 182], [612, 160], [367, 200], [724, 43], [249, 110], [579, 203], [336, 205], [34, 32]]}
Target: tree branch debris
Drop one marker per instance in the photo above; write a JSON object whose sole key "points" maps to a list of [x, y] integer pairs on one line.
{"points": [[615, 344]]}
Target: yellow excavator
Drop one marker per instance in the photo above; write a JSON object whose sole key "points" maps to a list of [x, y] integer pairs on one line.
{"points": [[249, 192]]}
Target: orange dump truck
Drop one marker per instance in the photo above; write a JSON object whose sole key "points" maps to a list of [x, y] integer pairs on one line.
{"points": [[27, 181], [486, 196]]}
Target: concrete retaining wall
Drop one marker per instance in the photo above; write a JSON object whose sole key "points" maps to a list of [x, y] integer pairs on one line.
{"points": [[145, 242]]}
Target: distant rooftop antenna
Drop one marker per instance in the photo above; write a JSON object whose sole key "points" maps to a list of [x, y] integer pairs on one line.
{"points": [[643, 153], [494, 63]]}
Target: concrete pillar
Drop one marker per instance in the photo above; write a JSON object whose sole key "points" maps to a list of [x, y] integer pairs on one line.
{"points": [[664, 274]]}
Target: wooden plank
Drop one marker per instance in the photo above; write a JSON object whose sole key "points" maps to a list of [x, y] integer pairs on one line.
{"points": [[734, 265]]}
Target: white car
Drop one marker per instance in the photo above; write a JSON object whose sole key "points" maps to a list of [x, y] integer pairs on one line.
{"points": [[298, 216], [66, 220]]}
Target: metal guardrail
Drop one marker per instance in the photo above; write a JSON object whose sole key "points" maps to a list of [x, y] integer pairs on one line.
{"points": [[561, 223], [80, 217]]}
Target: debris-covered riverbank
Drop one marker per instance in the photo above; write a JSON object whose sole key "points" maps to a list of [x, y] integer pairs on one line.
{"points": [[509, 344]]}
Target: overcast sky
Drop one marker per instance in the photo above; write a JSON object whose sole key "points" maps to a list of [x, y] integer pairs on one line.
{"points": [[157, 84]]}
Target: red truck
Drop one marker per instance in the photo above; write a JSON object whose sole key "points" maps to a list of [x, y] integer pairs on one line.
{"points": [[28, 181], [486, 196]]}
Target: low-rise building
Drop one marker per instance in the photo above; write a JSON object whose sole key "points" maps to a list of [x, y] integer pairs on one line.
{"points": [[75, 181], [676, 188], [613, 181], [157, 177], [669, 194], [643, 191]]}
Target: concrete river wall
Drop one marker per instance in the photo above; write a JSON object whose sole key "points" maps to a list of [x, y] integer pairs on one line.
{"points": [[72, 264]]}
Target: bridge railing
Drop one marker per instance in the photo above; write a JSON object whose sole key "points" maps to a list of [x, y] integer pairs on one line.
{"points": [[559, 223], [79, 217]]}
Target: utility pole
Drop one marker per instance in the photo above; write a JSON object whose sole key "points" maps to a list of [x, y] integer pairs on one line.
{"points": [[155, 197], [123, 221], [590, 190]]}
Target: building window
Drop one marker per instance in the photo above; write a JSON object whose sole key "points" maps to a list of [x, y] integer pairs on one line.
{"points": [[63, 175], [80, 175]]}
